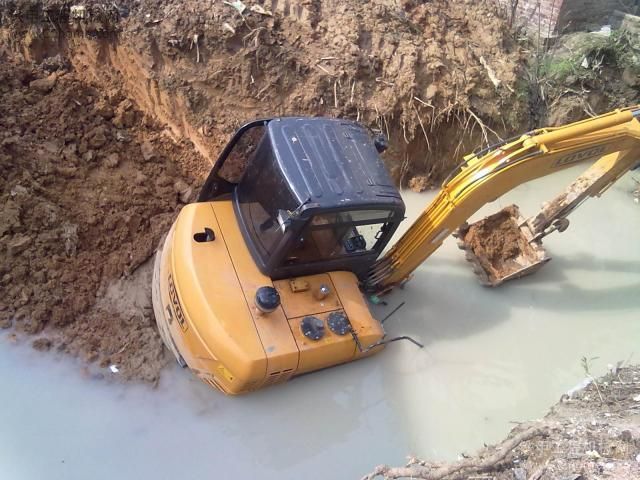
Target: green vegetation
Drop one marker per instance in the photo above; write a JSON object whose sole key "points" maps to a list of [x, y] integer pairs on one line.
{"points": [[584, 55]]}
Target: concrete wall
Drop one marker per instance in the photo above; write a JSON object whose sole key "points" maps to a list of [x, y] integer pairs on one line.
{"points": [[549, 17], [585, 14], [535, 15]]}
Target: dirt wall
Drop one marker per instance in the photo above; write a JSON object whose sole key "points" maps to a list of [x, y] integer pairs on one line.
{"points": [[420, 72], [88, 185]]}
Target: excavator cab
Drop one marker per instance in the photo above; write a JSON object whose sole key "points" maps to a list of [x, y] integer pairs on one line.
{"points": [[313, 196]]}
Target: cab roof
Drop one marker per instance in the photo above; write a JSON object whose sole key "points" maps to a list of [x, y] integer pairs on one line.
{"points": [[331, 163]]}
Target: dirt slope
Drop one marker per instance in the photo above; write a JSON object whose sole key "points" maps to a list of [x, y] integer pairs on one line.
{"points": [[88, 186], [428, 74]]}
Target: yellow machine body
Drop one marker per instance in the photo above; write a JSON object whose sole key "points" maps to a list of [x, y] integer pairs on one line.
{"points": [[204, 292], [204, 306]]}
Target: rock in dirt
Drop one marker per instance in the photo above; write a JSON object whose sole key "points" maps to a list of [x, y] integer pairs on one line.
{"points": [[631, 77], [112, 160], [9, 217], [69, 237], [97, 138], [183, 190], [42, 344], [104, 110], [140, 178], [10, 141], [18, 244], [44, 85], [125, 115], [55, 63], [148, 152], [419, 183]]}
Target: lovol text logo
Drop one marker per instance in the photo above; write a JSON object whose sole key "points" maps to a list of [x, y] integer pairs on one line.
{"points": [[581, 155], [173, 296]]}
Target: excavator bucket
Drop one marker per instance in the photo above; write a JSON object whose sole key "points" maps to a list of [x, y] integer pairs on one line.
{"points": [[501, 247]]}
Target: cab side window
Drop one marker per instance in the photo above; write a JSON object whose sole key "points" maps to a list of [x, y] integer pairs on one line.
{"points": [[239, 157]]}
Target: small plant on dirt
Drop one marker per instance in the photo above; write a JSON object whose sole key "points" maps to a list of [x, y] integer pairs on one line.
{"points": [[587, 54], [586, 366]]}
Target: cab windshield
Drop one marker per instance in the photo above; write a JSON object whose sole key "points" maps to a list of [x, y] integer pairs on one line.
{"points": [[328, 236]]}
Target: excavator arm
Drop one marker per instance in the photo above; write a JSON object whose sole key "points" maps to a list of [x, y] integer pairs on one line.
{"points": [[613, 139]]}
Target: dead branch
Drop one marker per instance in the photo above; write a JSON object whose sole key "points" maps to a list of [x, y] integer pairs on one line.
{"points": [[483, 126], [492, 74], [325, 70], [426, 471], [386, 126], [404, 168], [424, 132]]}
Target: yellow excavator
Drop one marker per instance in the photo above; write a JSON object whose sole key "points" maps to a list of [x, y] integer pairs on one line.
{"points": [[268, 275]]}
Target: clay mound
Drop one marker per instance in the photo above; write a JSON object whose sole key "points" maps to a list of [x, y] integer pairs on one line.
{"points": [[89, 184]]}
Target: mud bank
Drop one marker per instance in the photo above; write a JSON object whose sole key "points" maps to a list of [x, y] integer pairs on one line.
{"points": [[590, 433], [89, 184]]}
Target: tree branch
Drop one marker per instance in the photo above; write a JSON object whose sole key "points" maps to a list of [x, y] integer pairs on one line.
{"points": [[486, 460]]}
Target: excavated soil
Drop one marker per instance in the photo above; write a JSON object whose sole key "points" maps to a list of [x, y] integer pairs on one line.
{"points": [[112, 113], [88, 186], [497, 243], [436, 77]]}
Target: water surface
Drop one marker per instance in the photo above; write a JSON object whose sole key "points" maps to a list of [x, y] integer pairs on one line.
{"points": [[491, 356]]}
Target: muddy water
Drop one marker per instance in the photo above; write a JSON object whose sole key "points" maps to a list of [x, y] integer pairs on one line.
{"points": [[493, 356], [490, 357]]}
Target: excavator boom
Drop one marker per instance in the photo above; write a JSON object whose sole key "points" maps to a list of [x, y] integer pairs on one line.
{"points": [[613, 139]]}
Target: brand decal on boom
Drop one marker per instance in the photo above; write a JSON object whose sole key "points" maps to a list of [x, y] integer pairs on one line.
{"points": [[581, 155]]}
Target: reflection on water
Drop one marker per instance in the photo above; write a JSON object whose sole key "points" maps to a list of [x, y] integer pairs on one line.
{"points": [[54, 422], [490, 357]]}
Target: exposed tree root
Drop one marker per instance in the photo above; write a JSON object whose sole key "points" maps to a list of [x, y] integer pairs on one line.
{"points": [[485, 460]]}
